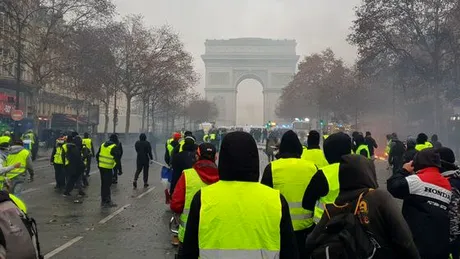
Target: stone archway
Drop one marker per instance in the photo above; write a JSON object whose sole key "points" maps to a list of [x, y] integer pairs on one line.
{"points": [[229, 62]]}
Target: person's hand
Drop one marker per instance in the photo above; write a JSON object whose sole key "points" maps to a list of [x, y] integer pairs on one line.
{"points": [[409, 167], [120, 172], [17, 165], [151, 161]]}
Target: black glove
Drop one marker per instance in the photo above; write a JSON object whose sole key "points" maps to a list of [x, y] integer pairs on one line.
{"points": [[120, 172]]}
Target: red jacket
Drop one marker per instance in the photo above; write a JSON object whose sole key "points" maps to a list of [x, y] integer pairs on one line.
{"points": [[207, 170]]}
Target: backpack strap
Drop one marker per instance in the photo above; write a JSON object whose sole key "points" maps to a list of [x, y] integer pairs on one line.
{"points": [[334, 208]]}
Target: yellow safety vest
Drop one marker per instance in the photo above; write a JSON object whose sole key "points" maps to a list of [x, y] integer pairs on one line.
{"points": [[388, 147], [316, 156], [5, 139], [106, 160], [88, 143], [65, 149], [239, 220], [206, 138], [363, 147], [57, 159], [12, 159], [19, 203], [169, 147], [420, 147], [213, 136], [331, 172], [325, 137], [181, 145], [291, 176], [193, 184]]}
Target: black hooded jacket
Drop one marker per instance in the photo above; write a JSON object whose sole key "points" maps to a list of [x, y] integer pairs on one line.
{"points": [[426, 196], [290, 147], [181, 161], [335, 146], [144, 150], [356, 175], [239, 161]]}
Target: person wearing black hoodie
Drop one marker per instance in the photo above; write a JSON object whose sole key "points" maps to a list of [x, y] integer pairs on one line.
{"points": [[357, 175], [427, 195], [396, 155], [313, 152], [144, 156], [422, 142], [452, 172], [410, 151], [107, 162], [324, 186], [291, 175], [221, 210], [182, 160], [74, 166]]}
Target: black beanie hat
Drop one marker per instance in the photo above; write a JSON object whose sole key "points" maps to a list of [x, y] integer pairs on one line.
{"points": [[336, 146], [290, 144]]}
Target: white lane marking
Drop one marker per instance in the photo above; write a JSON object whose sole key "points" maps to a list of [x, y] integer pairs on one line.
{"points": [[63, 247], [145, 193], [29, 190], [109, 217]]}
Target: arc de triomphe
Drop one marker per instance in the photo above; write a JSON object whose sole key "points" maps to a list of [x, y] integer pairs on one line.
{"points": [[229, 62]]}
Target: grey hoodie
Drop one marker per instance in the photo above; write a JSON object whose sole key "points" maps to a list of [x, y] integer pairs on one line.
{"points": [[29, 167]]}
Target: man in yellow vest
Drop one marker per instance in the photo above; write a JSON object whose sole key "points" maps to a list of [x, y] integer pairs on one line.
{"points": [[238, 217], [291, 175], [108, 157], [324, 187], [170, 145], [6, 138], [179, 148], [58, 163], [73, 166], [313, 152], [422, 142], [361, 147], [31, 138], [17, 176], [88, 142], [4, 148], [203, 173]]}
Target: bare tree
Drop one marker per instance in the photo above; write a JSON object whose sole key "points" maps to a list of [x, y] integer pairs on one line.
{"points": [[36, 28]]}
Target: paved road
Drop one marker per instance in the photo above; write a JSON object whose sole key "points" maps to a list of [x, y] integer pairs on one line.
{"points": [[137, 228]]}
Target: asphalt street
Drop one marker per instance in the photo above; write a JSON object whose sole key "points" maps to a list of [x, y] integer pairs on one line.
{"points": [[137, 228]]}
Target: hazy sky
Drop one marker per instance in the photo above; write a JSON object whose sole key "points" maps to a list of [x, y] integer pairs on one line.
{"points": [[315, 24]]}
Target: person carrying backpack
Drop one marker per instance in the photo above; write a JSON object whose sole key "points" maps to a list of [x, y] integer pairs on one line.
{"points": [[18, 232], [363, 222], [427, 195], [452, 172]]}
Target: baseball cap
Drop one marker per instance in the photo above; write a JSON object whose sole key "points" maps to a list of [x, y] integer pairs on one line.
{"points": [[207, 151]]}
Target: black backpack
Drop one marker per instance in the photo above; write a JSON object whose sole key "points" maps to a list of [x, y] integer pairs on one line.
{"points": [[344, 236]]}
